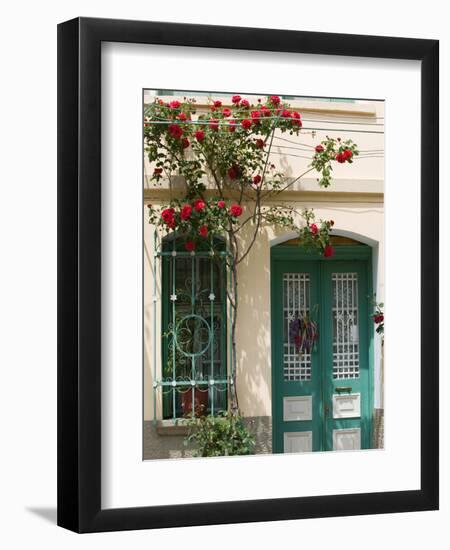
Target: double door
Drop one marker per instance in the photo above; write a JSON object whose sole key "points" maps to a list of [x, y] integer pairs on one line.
{"points": [[321, 392]]}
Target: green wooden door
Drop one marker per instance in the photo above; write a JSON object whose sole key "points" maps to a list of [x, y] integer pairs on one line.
{"points": [[322, 400]]}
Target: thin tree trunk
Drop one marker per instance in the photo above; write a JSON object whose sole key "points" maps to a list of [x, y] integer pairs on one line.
{"points": [[234, 402], [234, 405]]}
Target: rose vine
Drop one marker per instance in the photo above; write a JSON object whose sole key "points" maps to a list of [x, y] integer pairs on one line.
{"points": [[229, 179]]}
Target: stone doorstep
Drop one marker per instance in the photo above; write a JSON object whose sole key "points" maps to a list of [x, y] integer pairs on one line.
{"points": [[167, 427]]}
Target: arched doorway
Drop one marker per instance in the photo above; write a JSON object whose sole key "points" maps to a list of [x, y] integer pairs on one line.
{"points": [[322, 388]]}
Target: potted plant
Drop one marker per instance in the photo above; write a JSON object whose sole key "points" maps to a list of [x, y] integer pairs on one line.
{"points": [[199, 397]]}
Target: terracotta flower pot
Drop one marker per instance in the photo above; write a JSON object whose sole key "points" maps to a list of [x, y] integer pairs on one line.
{"points": [[200, 402]]}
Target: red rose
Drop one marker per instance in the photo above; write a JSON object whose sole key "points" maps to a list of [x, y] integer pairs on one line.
{"points": [[314, 229], [286, 113], [259, 143], [257, 179], [182, 116], [214, 124], [186, 212], [221, 204], [167, 216], [348, 153], [232, 126], [328, 251], [246, 124], [158, 171], [199, 135], [189, 245], [217, 103], [199, 205], [255, 116], [175, 131], [340, 157], [265, 111], [174, 104], [203, 231], [236, 99], [245, 103], [236, 210], [233, 172], [274, 99], [378, 318], [185, 143], [167, 213], [320, 148], [297, 118], [226, 112]]}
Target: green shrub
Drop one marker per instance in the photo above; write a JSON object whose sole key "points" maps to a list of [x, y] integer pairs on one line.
{"points": [[223, 435]]}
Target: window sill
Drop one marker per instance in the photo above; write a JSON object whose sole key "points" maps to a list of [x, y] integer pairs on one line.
{"points": [[168, 428]]}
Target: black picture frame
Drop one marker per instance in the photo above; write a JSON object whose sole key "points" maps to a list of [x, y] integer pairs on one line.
{"points": [[79, 274]]}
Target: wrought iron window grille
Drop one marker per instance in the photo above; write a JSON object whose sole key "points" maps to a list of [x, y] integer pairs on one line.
{"points": [[195, 371]]}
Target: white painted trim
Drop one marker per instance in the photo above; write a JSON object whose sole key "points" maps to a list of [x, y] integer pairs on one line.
{"points": [[356, 432], [336, 231], [304, 436], [306, 414]]}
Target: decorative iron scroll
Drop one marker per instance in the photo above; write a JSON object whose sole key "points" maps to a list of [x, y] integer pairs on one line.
{"points": [[193, 375]]}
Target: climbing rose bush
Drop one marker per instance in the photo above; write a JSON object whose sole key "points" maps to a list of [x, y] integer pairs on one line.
{"points": [[378, 317], [231, 145], [230, 180], [197, 220]]}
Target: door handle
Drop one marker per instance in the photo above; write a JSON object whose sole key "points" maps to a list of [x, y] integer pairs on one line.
{"points": [[326, 410]]}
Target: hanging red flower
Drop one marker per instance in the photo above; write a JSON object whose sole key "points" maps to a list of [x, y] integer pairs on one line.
{"points": [[175, 131], [236, 210]]}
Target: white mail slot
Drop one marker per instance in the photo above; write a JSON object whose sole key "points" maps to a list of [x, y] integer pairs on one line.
{"points": [[347, 405]]}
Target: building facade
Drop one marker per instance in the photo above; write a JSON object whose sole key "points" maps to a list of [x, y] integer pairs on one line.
{"points": [[329, 399]]}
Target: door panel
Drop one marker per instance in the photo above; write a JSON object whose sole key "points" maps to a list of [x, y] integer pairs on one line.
{"points": [[321, 400], [344, 352], [297, 377], [297, 442]]}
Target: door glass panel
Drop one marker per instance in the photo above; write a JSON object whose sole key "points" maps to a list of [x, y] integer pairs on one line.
{"points": [[345, 325], [296, 364]]}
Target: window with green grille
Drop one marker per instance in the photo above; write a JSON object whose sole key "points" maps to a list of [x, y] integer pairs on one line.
{"points": [[194, 329]]}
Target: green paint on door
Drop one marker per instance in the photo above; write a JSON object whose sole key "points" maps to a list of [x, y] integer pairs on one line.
{"points": [[323, 400]]}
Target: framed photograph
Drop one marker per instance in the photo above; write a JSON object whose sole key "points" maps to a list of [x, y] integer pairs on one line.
{"points": [[247, 275]]}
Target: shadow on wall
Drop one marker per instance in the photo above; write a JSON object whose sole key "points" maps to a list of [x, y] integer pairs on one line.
{"points": [[253, 331]]}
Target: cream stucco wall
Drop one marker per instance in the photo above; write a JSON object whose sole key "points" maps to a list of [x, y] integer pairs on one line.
{"points": [[355, 201]]}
